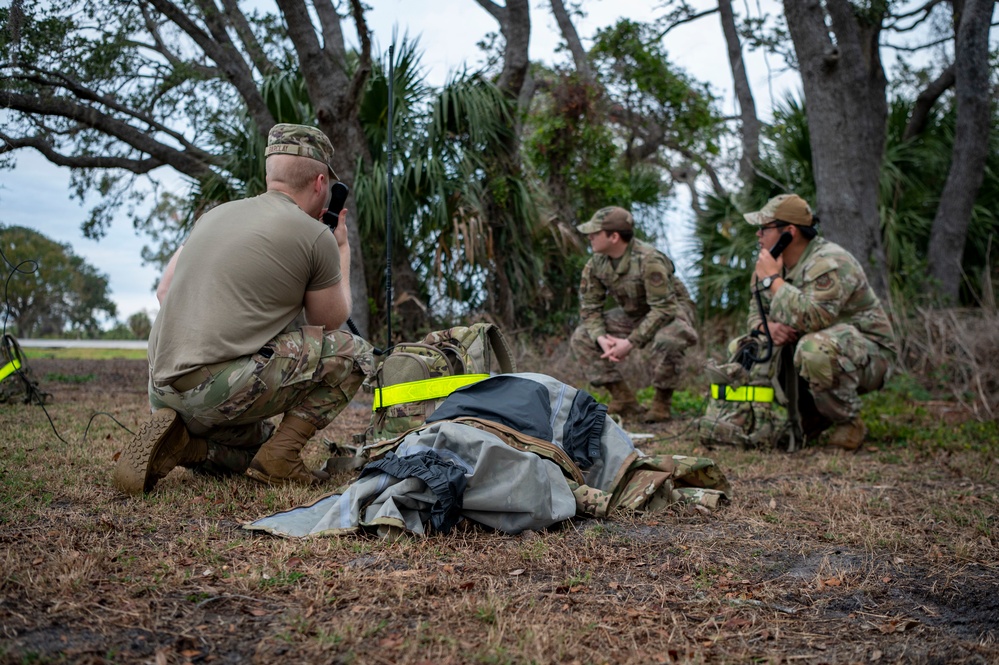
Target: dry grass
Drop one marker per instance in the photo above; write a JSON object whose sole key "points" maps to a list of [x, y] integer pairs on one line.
{"points": [[956, 348], [881, 557]]}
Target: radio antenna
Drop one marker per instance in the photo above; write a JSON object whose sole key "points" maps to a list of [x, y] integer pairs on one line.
{"points": [[388, 197]]}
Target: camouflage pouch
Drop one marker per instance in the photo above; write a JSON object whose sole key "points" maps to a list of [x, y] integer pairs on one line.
{"points": [[413, 379], [743, 409]]}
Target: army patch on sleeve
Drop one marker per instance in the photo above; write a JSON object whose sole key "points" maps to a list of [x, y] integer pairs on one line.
{"points": [[824, 282], [657, 279]]}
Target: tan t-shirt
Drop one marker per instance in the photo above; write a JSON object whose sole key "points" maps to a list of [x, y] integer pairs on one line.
{"points": [[239, 281]]}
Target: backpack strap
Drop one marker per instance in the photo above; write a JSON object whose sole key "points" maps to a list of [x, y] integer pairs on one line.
{"points": [[501, 349], [419, 391]]}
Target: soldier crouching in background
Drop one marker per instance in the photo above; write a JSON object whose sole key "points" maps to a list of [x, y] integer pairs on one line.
{"points": [[654, 314], [831, 340]]}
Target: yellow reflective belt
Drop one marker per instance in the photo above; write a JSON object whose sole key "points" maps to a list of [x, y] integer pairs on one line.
{"points": [[743, 394], [418, 391], [9, 368]]}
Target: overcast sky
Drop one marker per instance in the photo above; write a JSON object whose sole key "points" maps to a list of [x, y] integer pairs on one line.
{"points": [[36, 194]]}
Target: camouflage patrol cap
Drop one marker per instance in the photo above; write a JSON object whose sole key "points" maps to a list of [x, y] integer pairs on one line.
{"points": [[301, 140], [611, 218], [789, 208]]}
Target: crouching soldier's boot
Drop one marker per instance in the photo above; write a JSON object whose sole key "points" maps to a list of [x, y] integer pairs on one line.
{"points": [[161, 444], [623, 400], [848, 436], [280, 459], [660, 410]]}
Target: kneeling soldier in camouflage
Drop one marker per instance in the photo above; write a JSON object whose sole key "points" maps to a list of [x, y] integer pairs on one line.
{"points": [[819, 305], [654, 313], [226, 353]]}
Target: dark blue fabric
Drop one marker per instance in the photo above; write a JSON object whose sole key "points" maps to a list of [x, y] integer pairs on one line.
{"points": [[444, 478], [513, 401]]}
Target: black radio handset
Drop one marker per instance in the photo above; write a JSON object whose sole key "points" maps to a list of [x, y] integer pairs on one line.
{"points": [[782, 242], [338, 196], [331, 218]]}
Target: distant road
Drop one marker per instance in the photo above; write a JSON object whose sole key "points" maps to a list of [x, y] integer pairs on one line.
{"points": [[83, 343]]}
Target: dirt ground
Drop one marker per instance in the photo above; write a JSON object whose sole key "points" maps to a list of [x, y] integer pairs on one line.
{"points": [[887, 556]]}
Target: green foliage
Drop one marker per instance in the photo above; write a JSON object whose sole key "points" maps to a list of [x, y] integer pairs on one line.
{"points": [[570, 143], [70, 378], [903, 414], [638, 76], [51, 291], [140, 325]]}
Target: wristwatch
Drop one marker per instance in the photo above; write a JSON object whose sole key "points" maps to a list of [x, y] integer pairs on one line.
{"points": [[767, 281]]}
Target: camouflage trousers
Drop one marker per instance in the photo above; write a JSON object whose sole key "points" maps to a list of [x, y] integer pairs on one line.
{"points": [[840, 364], [665, 351], [307, 373]]}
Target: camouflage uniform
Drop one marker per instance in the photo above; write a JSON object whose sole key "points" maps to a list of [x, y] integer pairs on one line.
{"points": [[845, 346], [655, 311], [305, 373]]}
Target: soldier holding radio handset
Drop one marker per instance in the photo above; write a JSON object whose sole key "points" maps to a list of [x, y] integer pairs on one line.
{"points": [[815, 298]]}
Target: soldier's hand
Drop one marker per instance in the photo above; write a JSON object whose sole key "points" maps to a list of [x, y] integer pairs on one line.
{"points": [[767, 265], [782, 334], [606, 343], [622, 349], [341, 229]]}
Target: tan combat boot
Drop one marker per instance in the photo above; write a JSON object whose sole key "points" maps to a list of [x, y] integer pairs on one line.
{"points": [[848, 436], [623, 400], [161, 444], [279, 460], [660, 411]]}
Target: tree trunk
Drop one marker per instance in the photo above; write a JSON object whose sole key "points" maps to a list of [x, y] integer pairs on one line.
{"points": [[971, 146], [747, 106], [844, 85]]}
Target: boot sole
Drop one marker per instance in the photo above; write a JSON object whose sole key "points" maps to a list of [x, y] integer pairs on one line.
{"points": [[132, 474]]}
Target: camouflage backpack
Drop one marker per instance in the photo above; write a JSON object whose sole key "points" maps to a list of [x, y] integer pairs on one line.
{"points": [[748, 408], [414, 379]]}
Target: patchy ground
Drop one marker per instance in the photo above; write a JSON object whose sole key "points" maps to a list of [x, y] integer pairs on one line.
{"points": [[881, 557]]}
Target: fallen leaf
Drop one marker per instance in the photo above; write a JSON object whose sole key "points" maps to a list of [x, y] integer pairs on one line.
{"points": [[257, 612], [773, 503], [293, 562], [834, 581], [518, 571]]}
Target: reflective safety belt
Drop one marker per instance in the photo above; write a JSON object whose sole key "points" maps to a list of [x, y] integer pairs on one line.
{"points": [[743, 394], [9, 368], [418, 391]]}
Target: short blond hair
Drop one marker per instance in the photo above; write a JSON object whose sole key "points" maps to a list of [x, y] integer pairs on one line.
{"points": [[297, 173]]}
